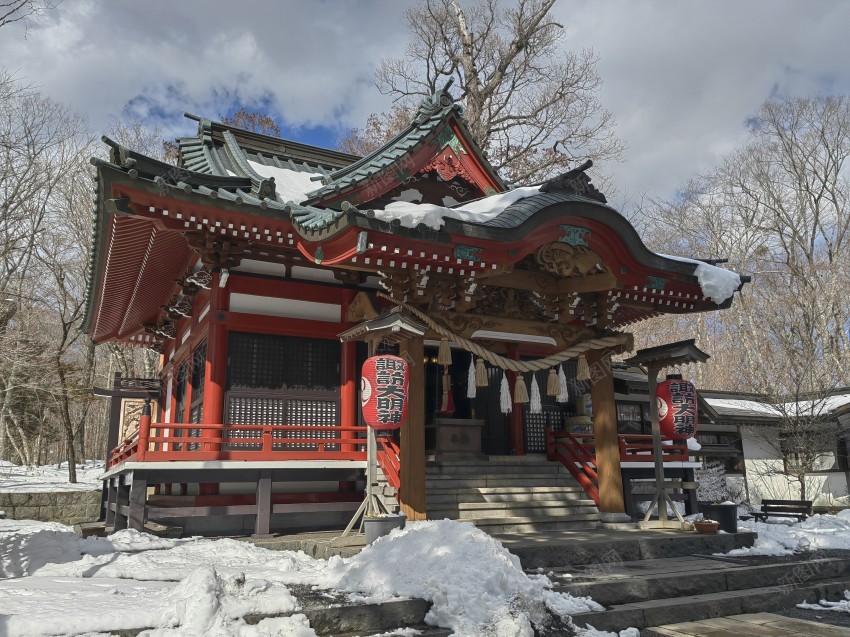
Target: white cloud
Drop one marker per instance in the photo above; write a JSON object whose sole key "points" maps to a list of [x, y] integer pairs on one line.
{"points": [[680, 77]]}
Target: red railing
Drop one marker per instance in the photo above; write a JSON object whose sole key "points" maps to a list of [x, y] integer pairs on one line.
{"points": [[576, 457], [125, 450], [166, 442], [634, 448], [577, 452], [390, 462]]}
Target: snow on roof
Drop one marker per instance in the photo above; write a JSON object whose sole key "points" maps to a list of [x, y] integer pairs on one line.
{"points": [[735, 407], [290, 185], [412, 214], [718, 284]]}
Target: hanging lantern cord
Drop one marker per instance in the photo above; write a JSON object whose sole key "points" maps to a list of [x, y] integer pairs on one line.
{"points": [[508, 363]]}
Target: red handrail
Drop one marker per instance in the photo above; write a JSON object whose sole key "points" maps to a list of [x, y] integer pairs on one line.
{"points": [[576, 458], [639, 448], [390, 462]]}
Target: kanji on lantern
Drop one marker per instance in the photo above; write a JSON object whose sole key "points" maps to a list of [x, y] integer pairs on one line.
{"points": [[383, 391], [677, 407]]}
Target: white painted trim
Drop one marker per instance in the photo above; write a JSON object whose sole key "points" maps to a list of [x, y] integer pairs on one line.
{"points": [[204, 312], [321, 275], [288, 308], [261, 267]]}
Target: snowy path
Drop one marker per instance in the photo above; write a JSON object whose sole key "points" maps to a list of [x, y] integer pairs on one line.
{"points": [[49, 478]]}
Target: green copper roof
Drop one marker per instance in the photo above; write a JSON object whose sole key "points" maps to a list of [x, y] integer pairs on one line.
{"points": [[431, 123]]}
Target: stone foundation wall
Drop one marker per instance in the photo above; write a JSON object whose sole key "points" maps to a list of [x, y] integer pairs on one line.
{"points": [[68, 507]]}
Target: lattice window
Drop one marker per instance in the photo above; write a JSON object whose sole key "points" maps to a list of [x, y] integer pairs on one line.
{"points": [[196, 411], [251, 410], [271, 362], [309, 413], [553, 414], [281, 380]]}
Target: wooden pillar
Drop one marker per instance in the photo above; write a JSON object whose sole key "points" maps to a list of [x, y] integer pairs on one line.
{"points": [[412, 448], [348, 391], [136, 502], [264, 505], [215, 374], [515, 424], [115, 405], [122, 501], [605, 433], [111, 501]]}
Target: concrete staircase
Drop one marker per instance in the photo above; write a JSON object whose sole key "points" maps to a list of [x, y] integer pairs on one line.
{"points": [[659, 592], [508, 494]]}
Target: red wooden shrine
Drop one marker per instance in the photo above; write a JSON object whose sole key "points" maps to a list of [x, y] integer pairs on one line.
{"points": [[243, 264]]}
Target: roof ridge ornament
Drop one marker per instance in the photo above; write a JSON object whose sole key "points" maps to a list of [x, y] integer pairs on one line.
{"points": [[575, 182], [435, 102]]}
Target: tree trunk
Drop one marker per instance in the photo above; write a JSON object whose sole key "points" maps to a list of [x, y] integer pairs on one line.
{"points": [[67, 425]]}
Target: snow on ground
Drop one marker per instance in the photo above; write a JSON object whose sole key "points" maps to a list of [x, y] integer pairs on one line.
{"points": [[49, 478], [842, 606], [53, 582], [412, 214], [784, 538]]}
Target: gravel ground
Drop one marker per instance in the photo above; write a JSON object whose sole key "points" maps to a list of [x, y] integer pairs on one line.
{"points": [[831, 617]]}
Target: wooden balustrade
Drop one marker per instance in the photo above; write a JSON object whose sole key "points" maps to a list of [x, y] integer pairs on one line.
{"points": [[168, 442], [389, 461]]}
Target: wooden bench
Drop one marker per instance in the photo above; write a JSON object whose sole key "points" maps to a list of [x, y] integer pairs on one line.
{"points": [[800, 509]]}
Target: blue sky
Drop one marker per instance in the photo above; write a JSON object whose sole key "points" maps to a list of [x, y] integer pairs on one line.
{"points": [[682, 78]]}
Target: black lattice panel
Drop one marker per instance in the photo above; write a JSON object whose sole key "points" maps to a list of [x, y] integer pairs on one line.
{"points": [[252, 410], [309, 413], [535, 427], [256, 361], [196, 415]]}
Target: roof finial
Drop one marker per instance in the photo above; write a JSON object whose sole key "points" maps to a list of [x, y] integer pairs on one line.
{"points": [[434, 103]]}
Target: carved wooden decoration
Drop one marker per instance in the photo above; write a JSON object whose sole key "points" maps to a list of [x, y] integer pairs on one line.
{"points": [[566, 260], [363, 307]]}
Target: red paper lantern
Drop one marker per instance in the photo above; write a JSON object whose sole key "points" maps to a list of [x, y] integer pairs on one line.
{"points": [[677, 407], [383, 391]]}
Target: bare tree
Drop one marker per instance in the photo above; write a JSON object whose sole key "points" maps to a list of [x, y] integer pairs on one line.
{"points": [[532, 105], [777, 209], [252, 121], [23, 10]]}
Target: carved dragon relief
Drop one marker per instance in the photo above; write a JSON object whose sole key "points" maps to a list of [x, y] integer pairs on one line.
{"points": [[566, 260]]}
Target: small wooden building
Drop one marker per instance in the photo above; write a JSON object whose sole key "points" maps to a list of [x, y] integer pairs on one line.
{"points": [[244, 263]]}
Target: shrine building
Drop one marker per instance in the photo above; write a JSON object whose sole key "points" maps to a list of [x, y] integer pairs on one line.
{"points": [[257, 267]]}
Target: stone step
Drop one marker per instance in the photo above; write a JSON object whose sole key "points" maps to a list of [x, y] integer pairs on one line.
{"points": [[467, 511], [438, 496], [492, 468], [658, 612], [493, 481], [422, 630], [690, 579], [527, 524], [333, 614], [564, 551]]}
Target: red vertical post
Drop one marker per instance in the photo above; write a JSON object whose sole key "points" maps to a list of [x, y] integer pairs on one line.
{"points": [[216, 363], [144, 431], [215, 372], [515, 428], [172, 381], [347, 388], [348, 391]]}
